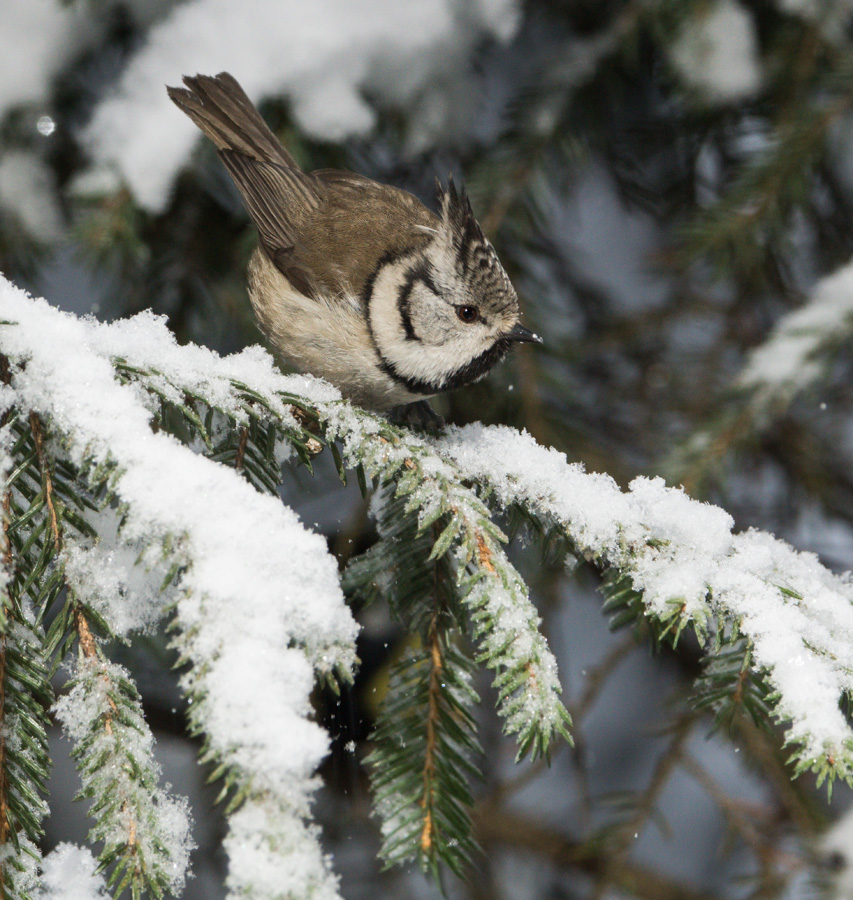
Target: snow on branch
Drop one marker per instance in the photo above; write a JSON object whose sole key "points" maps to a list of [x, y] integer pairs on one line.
{"points": [[259, 605], [796, 355], [142, 827], [322, 55], [792, 357], [690, 569], [257, 598], [505, 622]]}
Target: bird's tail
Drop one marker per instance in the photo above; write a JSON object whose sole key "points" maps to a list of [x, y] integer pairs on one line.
{"points": [[221, 109]]}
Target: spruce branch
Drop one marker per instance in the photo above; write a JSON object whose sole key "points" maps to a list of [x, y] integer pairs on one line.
{"points": [[440, 566], [676, 562], [796, 356], [25, 694], [145, 832], [24, 759], [425, 752], [501, 619]]}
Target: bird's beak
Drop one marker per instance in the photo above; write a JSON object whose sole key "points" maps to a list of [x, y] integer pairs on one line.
{"points": [[519, 333]]}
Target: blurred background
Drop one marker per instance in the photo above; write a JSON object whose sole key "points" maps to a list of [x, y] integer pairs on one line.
{"points": [[665, 182]]}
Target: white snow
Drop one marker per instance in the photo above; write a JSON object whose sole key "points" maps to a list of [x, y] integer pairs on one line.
{"points": [[70, 872], [324, 56], [788, 360], [119, 579], [20, 870], [39, 38], [683, 556], [716, 52], [6, 466], [260, 592]]}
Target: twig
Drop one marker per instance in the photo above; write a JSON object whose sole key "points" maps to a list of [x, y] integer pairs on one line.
{"points": [[613, 871], [47, 481], [498, 825], [241, 447], [437, 664]]}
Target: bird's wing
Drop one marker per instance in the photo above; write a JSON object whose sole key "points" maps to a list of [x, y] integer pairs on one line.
{"points": [[327, 231], [281, 202]]}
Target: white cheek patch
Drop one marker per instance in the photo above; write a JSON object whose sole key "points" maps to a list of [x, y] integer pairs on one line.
{"points": [[386, 323], [398, 343]]}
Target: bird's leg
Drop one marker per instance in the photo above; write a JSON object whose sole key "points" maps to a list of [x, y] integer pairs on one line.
{"points": [[418, 415]]}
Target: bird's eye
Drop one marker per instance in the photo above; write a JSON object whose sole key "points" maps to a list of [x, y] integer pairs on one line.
{"points": [[467, 313]]}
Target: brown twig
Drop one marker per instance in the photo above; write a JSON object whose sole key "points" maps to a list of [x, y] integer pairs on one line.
{"points": [[437, 664], [613, 870], [241, 447], [84, 633], [498, 825], [46, 479]]}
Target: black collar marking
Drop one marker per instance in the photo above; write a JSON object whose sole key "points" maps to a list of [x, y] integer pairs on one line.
{"points": [[386, 259], [472, 371], [419, 272]]}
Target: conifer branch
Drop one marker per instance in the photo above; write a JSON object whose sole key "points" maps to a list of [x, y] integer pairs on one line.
{"points": [[145, 832], [675, 562], [501, 618], [5, 826]]}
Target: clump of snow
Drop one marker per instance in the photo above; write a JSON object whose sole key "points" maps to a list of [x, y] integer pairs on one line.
{"points": [[7, 464], [683, 556], [27, 192], [259, 593], [39, 38], [280, 866], [144, 341], [788, 360], [716, 52], [324, 56], [70, 872], [119, 579]]}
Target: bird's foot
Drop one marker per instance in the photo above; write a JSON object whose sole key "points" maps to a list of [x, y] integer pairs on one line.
{"points": [[419, 415]]}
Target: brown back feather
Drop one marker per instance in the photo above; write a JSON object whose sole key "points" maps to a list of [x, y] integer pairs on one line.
{"points": [[321, 229]]}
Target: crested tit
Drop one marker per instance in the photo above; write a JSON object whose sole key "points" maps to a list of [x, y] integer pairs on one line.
{"points": [[355, 281]]}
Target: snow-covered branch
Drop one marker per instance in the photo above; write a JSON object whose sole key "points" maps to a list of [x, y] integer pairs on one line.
{"points": [[257, 598], [794, 355], [259, 606], [322, 56], [682, 557]]}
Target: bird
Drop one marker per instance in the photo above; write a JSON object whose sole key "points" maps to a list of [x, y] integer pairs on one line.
{"points": [[356, 281]]}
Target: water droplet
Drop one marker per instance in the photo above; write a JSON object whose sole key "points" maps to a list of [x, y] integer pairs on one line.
{"points": [[46, 125]]}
